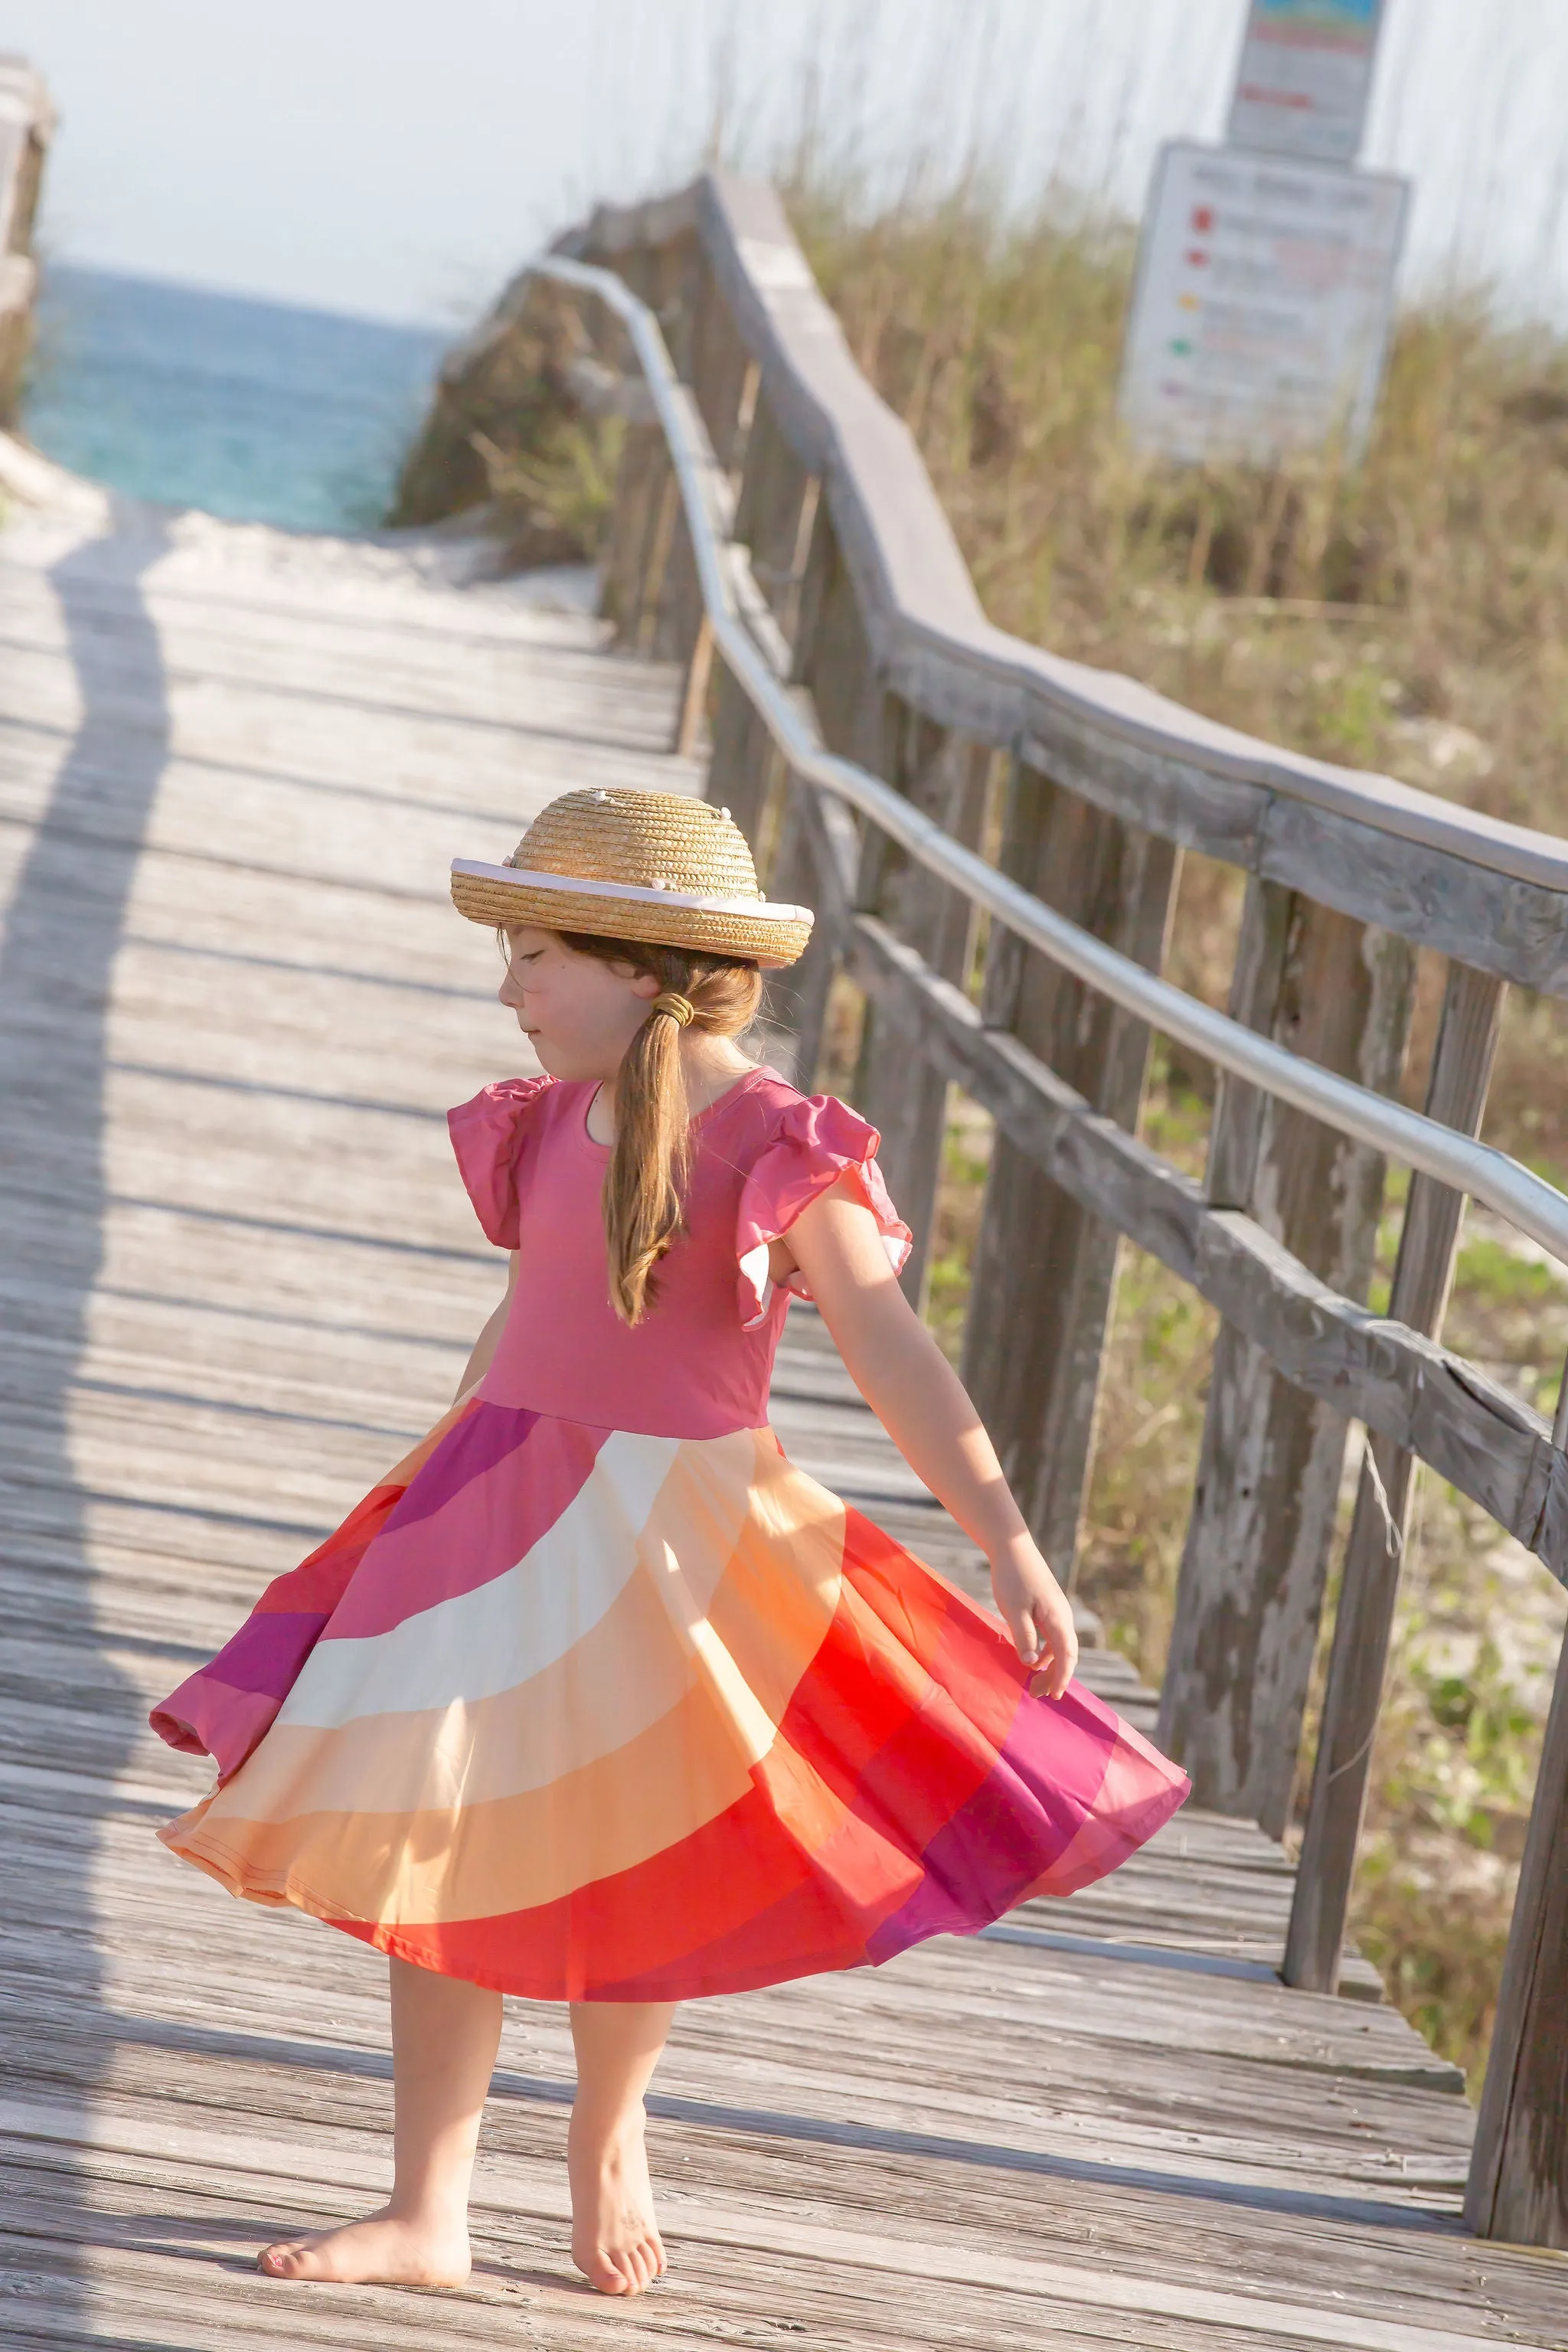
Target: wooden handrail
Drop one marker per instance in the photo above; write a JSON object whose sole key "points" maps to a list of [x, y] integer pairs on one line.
{"points": [[1515, 1193], [27, 125], [771, 512], [1206, 784]]}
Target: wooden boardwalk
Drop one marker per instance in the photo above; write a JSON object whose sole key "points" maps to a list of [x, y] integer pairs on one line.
{"points": [[236, 1274]]}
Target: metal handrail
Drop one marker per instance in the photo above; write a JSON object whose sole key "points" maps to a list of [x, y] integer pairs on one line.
{"points": [[1526, 1200]]}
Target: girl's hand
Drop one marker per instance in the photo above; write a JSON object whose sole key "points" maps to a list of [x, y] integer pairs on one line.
{"points": [[921, 1403], [1038, 1613]]}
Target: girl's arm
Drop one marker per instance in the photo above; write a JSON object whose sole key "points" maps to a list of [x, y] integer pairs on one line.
{"points": [[922, 1404], [484, 1347]]}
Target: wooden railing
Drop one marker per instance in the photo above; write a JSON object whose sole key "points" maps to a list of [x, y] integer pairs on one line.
{"points": [[26, 123], [992, 837]]}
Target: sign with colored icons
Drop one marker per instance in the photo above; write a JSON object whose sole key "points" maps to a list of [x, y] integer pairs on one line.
{"points": [[1304, 78], [1265, 288], [1261, 309]]}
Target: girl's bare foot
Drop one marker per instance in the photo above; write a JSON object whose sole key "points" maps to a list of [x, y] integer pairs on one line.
{"points": [[614, 2239], [380, 2250]]}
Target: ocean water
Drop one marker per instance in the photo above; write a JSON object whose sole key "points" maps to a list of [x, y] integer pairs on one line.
{"points": [[253, 410]]}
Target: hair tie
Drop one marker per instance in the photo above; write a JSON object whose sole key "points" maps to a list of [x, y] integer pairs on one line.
{"points": [[680, 1009]]}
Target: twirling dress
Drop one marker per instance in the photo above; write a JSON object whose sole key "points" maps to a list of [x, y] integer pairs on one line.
{"points": [[597, 1697]]}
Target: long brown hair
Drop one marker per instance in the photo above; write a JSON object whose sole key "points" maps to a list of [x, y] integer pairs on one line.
{"points": [[646, 1180]]}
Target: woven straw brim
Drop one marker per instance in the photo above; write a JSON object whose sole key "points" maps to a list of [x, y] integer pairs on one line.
{"points": [[499, 895]]}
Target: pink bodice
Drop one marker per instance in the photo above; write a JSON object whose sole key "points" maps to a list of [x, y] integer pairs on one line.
{"points": [[700, 1362]]}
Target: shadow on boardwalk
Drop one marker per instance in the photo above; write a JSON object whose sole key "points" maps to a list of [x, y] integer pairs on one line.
{"points": [[64, 928]]}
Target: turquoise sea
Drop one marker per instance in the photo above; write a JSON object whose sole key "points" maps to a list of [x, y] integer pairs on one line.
{"points": [[254, 410]]}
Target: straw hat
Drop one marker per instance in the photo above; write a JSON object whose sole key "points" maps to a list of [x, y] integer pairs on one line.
{"points": [[636, 866]]}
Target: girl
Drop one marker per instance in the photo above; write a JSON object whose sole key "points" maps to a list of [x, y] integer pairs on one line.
{"points": [[597, 1699]]}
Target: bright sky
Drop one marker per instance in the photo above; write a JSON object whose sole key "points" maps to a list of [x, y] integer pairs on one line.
{"points": [[400, 158]]}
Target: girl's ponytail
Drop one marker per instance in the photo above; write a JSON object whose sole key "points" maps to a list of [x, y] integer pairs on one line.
{"points": [[647, 1175], [645, 1184]]}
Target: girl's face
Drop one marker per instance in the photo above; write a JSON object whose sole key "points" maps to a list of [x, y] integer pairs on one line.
{"points": [[578, 1012]]}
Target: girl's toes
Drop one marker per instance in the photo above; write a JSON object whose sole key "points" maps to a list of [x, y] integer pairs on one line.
{"points": [[604, 2272], [643, 2266]]}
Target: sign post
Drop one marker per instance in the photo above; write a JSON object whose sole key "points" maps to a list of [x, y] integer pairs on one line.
{"points": [[1304, 78], [1266, 269]]}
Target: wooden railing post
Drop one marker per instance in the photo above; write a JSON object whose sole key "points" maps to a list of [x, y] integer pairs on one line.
{"points": [[713, 363], [643, 514], [18, 204], [642, 480], [650, 587], [725, 380], [774, 513], [1331, 983], [1251, 1584], [899, 1089], [832, 661], [1519, 2169], [1041, 1293], [1455, 1093]]}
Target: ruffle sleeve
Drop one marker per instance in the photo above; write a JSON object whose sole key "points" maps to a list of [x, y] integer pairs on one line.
{"points": [[816, 1141], [488, 1137]]}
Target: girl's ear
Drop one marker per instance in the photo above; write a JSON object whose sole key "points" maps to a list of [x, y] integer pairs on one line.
{"points": [[646, 984]]}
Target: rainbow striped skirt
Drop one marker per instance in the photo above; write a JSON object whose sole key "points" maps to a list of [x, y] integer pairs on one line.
{"points": [[589, 1715]]}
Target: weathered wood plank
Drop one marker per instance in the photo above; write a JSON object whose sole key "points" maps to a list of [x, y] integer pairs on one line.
{"points": [[1256, 1549], [255, 1232], [903, 1093], [638, 487], [1466, 1425], [1044, 1277], [842, 2262], [774, 509], [29, 127], [833, 661], [723, 376], [1504, 925], [1519, 2182], [1352, 1697], [1492, 894]]}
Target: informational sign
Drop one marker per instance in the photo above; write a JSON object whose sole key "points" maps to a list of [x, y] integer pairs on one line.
{"points": [[1262, 305], [1302, 85]]}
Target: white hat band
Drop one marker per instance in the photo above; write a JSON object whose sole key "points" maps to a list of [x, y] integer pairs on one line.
{"points": [[757, 910]]}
